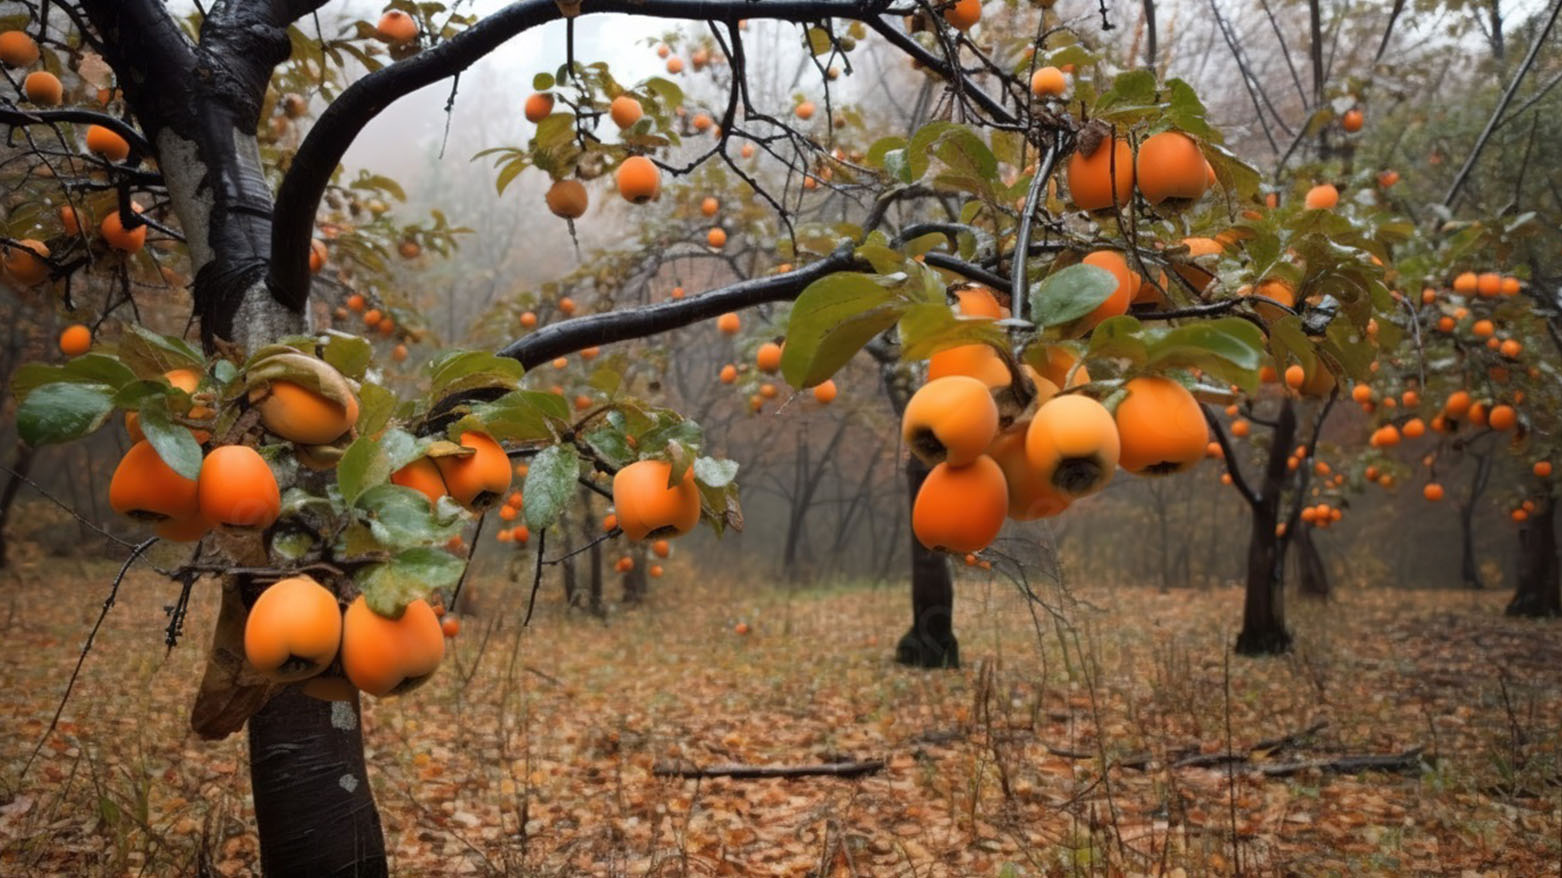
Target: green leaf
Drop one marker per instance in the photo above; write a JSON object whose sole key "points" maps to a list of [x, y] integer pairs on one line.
{"points": [[519, 416], [542, 82], [410, 575], [147, 353], [1067, 295], [173, 442], [819, 41], [1121, 338], [1230, 348], [468, 370], [715, 473], [350, 354], [833, 318], [550, 481], [362, 466], [928, 328], [60, 412], [399, 517], [1133, 89], [375, 407], [612, 445]]}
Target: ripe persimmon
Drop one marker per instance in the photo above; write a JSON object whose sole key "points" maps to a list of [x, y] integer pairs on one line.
{"points": [[961, 508], [317, 255], [236, 487], [43, 88], [75, 340], [1353, 120], [538, 106], [1502, 417], [1160, 426], [293, 630], [70, 220], [383, 656], [648, 506], [728, 374], [768, 359], [950, 419], [716, 237], [804, 110], [675, 65], [567, 199], [1048, 82], [625, 111], [728, 323], [1170, 169], [145, 488], [120, 238], [17, 49], [478, 480], [825, 391], [301, 415], [972, 360], [638, 179], [1073, 443], [963, 14], [1121, 296], [1059, 363], [421, 475], [396, 27], [1195, 274], [450, 626], [1031, 496], [107, 144], [1322, 197], [1103, 178], [661, 548]]}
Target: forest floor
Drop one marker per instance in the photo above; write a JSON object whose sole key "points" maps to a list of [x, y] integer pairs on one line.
{"points": [[1110, 732]]}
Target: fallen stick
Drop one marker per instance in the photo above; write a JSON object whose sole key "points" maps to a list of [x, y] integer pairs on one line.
{"points": [[746, 772], [1293, 740], [1408, 761]]}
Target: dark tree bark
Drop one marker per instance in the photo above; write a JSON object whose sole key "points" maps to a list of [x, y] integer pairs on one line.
{"points": [[567, 567], [13, 485], [1539, 591], [635, 583], [1263, 606], [930, 643], [1312, 576], [306, 762], [1469, 571], [1150, 49]]}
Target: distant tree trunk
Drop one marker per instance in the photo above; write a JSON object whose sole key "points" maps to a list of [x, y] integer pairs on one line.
{"points": [[306, 759], [635, 582], [1539, 592], [1263, 606], [1312, 576], [930, 643], [13, 485], [567, 567], [807, 485], [588, 530], [595, 606], [1469, 571]]}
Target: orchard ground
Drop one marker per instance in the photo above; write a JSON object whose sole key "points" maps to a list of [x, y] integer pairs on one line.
{"points": [[532, 752]]}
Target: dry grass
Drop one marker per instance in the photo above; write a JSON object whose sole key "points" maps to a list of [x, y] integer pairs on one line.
{"points": [[540, 764]]}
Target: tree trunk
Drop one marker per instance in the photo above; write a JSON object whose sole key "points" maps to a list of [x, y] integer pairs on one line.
{"points": [[13, 485], [1263, 607], [635, 582], [930, 643], [1469, 571], [567, 566], [1539, 592], [313, 804], [1312, 575]]}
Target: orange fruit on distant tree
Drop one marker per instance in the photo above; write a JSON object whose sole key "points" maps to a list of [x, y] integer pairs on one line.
{"points": [[769, 357], [728, 323], [396, 27], [450, 626], [26, 261], [236, 487], [675, 65], [1103, 178], [961, 508], [108, 144], [43, 88], [317, 255], [625, 111], [825, 392], [950, 419], [1488, 284], [1483, 329], [1542, 469], [1073, 443], [1353, 120], [638, 179], [75, 340], [709, 205], [804, 110], [1170, 169], [1322, 197], [566, 199], [17, 49], [1502, 417], [648, 507], [293, 630], [1295, 376], [70, 220], [478, 480], [538, 106], [1432, 491], [729, 373], [120, 238], [383, 656], [1048, 82], [1160, 426], [1466, 283], [716, 237]]}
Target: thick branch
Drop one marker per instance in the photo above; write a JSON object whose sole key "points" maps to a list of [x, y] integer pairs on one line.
{"points": [[558, 339]]}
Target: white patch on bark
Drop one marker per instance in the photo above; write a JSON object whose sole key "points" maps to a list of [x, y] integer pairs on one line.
{"points": [[348, 782], [179, 160], [343, 716]]}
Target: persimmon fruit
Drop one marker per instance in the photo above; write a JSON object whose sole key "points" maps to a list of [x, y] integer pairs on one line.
{"points": [[1073, 443], [384, 656], [647, 506], [951, 419], [299, 414], [1160, 426], [293, 630], [145, 488], [237, 488], [478, 480], [961, 508]]}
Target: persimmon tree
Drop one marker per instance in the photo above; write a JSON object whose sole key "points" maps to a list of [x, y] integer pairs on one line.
{"points": [[1069, 248]]}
